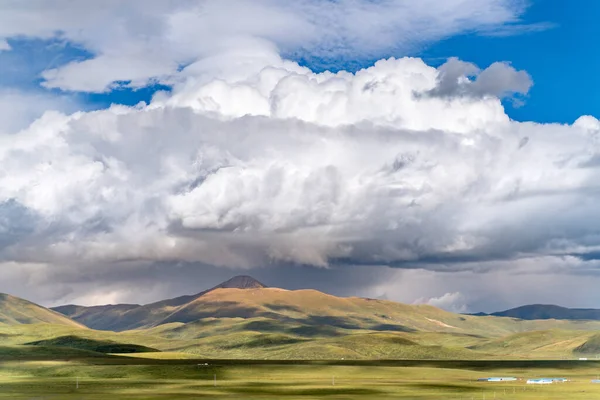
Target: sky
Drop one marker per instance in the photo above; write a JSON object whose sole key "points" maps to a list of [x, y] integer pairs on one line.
{"points": [[443, 151]]}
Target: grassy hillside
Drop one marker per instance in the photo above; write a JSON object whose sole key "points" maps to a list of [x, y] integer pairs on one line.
{"points": [[536, 344], [264, 338], [268, 323], [14, 310], [231, 339], [591, 347], [121, 317], [312, 311], [261, 338], [306, 312]]}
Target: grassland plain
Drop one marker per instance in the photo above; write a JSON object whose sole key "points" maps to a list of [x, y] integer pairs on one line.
{"points": [[127, 378]]}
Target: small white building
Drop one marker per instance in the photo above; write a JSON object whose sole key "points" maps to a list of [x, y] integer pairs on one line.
{"points": [[541, 381], [498, 379]]}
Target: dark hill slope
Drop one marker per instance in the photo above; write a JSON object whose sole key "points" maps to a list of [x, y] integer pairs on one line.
{"points": [[590, 347], [97, 316], [544, 311], [99, 346]]}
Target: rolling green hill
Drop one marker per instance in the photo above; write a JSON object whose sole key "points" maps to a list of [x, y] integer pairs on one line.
{"points": [[242, 318], [14, 310], [308, 311], [552, 343], [261, 338]]}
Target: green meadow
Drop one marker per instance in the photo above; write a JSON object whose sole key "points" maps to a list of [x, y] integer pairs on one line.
{"points": [[131, 378]]}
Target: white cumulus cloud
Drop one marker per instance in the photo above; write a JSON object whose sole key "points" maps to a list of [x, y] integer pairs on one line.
{"points": [[144, 41], [20, 108], [285, 165], [453, 302]]}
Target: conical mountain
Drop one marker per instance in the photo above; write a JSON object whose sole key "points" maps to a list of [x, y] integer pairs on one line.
{"points": [[240, 282], [121, 317]]}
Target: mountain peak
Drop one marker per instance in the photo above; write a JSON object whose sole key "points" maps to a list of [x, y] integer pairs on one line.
{"points": [[241, 282]]}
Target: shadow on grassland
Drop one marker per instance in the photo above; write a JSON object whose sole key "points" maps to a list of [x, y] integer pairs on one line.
{"points": [[443, 386], [266, 340], [289, 391], [476, 365]]}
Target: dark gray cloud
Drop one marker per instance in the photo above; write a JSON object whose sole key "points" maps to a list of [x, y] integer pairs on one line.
{"points": [[16, 223], [459, 78], [144, 282]]}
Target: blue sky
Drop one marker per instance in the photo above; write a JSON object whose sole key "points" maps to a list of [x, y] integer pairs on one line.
{"points": [[562, 60], [22, 68]]}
